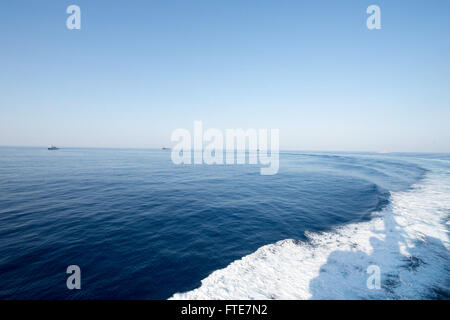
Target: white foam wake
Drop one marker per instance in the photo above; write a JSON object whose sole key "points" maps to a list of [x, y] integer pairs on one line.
{"points": [[408, 241]]}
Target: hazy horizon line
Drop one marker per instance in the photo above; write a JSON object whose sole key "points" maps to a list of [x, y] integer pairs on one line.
{"points": [[281, 150]]}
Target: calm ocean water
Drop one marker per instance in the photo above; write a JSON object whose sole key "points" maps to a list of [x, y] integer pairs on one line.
{"points": [[140, 227]]}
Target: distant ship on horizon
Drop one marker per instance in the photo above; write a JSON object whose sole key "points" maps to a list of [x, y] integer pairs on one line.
{"points": [[52, 147]]}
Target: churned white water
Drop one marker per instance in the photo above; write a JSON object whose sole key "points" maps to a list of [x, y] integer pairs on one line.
{"points": [[408, 241]]}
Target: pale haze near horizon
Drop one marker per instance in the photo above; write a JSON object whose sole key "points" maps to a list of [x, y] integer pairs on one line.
{"points": [[138, 70]]}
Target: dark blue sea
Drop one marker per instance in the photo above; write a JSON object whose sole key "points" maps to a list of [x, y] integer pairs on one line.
{"points": [[140, 227]]}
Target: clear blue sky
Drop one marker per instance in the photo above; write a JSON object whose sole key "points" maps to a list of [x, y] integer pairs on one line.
{"points": [[137, 70]]}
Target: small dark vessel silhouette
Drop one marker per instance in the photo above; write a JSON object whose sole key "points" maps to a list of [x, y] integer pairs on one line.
{"points": [[164, 148], [52, 147]]}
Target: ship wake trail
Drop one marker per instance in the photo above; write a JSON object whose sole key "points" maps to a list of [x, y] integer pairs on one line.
{"points": [[408, 241]]}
